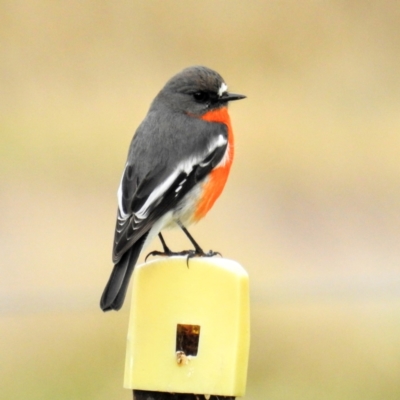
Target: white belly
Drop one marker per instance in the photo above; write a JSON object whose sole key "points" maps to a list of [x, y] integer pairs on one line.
{"points": [[183, 212]]}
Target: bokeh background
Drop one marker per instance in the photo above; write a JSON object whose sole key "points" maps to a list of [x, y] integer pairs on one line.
{"points": [[311, 209]]}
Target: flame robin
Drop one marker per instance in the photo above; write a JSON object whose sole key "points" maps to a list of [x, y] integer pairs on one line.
{"points": [[178, 163]]}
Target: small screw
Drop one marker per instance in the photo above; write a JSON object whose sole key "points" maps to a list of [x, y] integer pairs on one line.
{"points": [[182, 358]]}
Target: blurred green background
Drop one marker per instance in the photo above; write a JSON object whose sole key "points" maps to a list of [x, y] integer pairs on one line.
{"points": [[311, 209]]}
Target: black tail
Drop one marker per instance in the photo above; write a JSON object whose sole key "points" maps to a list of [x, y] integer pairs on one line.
{"points": [[114, 293]]}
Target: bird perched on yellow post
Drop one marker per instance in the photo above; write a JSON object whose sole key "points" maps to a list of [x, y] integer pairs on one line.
{"points": [[178, 163]]}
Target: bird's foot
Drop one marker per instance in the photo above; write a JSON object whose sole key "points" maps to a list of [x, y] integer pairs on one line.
{"points": [[189, 253], [168, 253], [200, 253], [210, 253]]}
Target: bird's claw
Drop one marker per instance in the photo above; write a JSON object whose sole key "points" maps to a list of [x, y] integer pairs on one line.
{"points": [[194, 253], [155, 253]]}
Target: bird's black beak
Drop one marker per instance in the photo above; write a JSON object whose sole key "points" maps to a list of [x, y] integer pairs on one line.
{"points": [[225, 97]]}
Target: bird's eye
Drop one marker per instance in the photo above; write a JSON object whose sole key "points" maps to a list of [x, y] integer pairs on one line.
{"points": [[201, 97]]}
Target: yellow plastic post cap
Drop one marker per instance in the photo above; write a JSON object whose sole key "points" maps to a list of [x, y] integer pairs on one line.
{"points": [[189, 327]]}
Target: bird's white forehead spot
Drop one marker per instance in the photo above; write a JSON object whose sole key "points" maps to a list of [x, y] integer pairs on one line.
{"points": [[222, 89]]}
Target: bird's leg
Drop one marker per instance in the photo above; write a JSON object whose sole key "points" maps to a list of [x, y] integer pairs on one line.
{"points": [[164, 245], [198, 251], [167, 251]]}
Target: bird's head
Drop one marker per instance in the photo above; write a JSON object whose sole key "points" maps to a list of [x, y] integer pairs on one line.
{"points": [[195, 91]]}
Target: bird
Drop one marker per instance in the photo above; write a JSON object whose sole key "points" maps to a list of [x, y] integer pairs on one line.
{"points": [[177, 166]]}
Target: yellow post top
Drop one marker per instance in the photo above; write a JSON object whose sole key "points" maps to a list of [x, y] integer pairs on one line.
{"points": [[189, 327]]}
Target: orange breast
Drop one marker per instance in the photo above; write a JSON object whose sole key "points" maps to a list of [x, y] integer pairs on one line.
{"points": [[214, 184]]}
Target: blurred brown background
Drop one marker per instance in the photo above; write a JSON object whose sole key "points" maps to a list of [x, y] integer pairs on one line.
{"points": [[311, 209]]}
